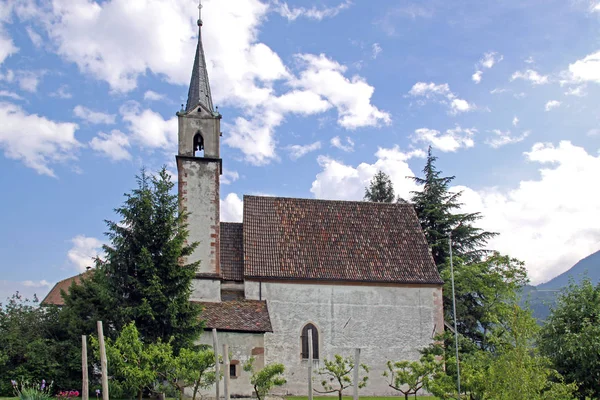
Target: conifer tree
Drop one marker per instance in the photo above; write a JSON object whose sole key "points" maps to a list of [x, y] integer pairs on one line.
{"points": [[380, 189], [142, 278], [437, 208]]}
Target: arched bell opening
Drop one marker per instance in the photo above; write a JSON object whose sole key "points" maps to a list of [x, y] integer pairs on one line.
{"points": [[198, 145]]}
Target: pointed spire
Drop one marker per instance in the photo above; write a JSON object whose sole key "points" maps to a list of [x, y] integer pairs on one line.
{"points": [[199, 92]]}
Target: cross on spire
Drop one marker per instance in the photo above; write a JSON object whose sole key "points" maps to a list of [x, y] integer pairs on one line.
{"points": [[200, 12], [199, 92]]}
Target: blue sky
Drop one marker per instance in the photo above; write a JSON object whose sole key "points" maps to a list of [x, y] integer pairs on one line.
{"points": [[316, 96]]}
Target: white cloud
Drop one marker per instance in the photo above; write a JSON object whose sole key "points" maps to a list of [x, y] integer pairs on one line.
{"points": [[93, 117], [11, 95], [35, 140], [27, 289], [37, 284], [62, 93], [515, 121], [488, 60], [337, 142], [430, 89], [587, 69], [549, 229], [27, 80], [149, 129], [460, 105], [530, 60], [7, 46], [552, 104], [311, 13], [530, 75], [501, 138], [442, 94], [254, 136], [228, 177], [153, 96], [232, 208], [112, 145], [345, 182], [593, 132], [297, 150], [376, 50], [351, 97], [498, 90], [578, 91], [595, 8], [83, 251], [35, 37], [449, 141]]}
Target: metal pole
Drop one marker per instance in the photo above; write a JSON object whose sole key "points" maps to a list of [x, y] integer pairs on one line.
{"points": [[454, 314], [310, 365]]}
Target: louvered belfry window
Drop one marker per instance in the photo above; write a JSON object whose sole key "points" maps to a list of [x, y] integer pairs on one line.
{"points": [[315, 341]]}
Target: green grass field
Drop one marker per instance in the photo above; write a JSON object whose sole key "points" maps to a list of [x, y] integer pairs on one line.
{"points": [[361, 398]]}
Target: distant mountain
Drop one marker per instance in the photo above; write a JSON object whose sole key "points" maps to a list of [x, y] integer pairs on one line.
{"points": [[540, 298], [589, 266]]}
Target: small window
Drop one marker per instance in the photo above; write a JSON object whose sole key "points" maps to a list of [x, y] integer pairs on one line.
{"points": [[234, 369], [315, 341]]}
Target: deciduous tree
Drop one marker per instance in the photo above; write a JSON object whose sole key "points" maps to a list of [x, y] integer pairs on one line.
{"points": [[337, 375], [570, 337], [409, 377], [266, 379]]}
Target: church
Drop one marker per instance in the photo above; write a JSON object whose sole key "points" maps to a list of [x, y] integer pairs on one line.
{"points": [[358, 274]]}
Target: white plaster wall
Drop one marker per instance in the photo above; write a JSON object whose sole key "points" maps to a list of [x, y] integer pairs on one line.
{"points": [[201, 198], [206, 290], [241, 346], [387, 323]]}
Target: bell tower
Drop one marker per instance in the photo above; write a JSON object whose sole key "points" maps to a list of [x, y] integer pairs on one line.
{"points": [[199, 167]]}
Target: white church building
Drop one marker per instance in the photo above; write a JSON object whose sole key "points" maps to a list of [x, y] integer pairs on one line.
{"points": [[359, 274]]}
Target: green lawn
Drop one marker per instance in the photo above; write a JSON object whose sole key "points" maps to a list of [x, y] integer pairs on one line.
{"points": [[361, 398]]}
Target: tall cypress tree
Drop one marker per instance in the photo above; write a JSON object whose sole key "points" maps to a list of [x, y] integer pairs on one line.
{"points": [[142, 277], [380, 189], [437, 207]]}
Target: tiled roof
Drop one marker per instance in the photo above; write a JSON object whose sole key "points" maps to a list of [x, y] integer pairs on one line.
{"points": [[54, 297], [240, 316], [232, 251], [289, 238]]}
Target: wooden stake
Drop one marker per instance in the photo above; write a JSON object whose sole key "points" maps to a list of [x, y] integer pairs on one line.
{"points": [[226, 371], [217, 366], [355, 372], [310, 365], [85, 386], [103, 363]]}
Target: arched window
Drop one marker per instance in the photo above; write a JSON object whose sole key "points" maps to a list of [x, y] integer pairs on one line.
{"points": [[315, 341], [198, 145]]}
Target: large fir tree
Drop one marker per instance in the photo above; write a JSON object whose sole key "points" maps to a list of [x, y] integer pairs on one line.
{"points": [[437, 208], [380, 189], [142, 277]]}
